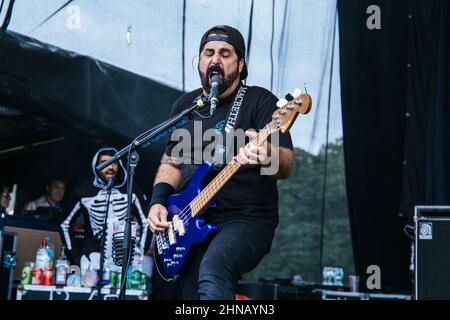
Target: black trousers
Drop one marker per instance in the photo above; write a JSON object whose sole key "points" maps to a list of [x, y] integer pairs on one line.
{"points": [[217, 265]]}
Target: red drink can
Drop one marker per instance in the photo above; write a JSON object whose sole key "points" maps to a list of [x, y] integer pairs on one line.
{"points": [[47, 276], [37, 276]]}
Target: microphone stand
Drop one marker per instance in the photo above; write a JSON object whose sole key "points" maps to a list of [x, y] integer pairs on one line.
{"points": [[127, 241], [143, 140], [102, 242]]}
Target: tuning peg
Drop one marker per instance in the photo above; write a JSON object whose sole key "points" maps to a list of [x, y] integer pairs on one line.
{"points": [[289, 97], [297, 92], [281, 102]]}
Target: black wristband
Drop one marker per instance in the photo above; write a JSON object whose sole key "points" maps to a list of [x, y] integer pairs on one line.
{"points": [[160, 193]]}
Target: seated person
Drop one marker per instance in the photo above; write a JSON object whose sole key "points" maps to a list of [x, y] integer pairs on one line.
{"points": [[48, 205], [5, 198], [4, 204], [54, 192]]}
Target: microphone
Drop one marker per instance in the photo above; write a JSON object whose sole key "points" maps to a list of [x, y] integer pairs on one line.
{"points": [[216, 83]]}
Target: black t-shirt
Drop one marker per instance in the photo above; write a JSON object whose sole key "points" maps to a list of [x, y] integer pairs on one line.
{"points": [[248, 194]]}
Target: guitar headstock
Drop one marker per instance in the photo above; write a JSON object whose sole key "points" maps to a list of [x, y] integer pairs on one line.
{"points": [[288, 111]]}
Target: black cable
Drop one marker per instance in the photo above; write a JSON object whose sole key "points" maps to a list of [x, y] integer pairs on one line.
{"points": [[271, 45], [249, 38], [1, 6], [183, 39], [318, 104], [51, 16], [202, 116], [324, 187], [409, 231], [282, 49], [8, 15]]}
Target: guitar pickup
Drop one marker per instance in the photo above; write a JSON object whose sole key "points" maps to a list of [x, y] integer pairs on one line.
{"points": [[178, 225], [171, 234]]}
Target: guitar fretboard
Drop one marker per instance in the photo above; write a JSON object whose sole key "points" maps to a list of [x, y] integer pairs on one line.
{"points": [[204, 197]]}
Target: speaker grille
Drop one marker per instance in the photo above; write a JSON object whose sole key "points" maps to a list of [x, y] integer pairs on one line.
{"points": [[432, 265]]}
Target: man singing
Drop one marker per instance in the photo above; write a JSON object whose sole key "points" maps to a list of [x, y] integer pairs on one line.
{"points": [[246, 210]]}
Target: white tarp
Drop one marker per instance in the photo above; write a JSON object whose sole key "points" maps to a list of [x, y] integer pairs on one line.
{"points": [[146, 37]]}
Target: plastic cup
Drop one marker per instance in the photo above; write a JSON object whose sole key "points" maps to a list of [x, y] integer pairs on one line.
{"points": [[353, 282]]}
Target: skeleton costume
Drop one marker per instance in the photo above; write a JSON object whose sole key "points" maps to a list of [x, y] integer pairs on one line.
{"points": [[91, 204]]}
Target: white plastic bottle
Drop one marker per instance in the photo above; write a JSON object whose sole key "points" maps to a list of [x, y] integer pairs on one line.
{"points": [[62, 265], [42, 257]]}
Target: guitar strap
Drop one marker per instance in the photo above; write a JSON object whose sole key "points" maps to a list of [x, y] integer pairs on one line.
{"points": [[222, 151]]}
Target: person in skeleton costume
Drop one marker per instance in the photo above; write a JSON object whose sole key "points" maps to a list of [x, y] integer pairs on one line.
{"points": [[91, 202]]}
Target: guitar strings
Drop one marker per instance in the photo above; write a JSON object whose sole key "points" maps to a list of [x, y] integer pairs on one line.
{"points": [[185, 214]]}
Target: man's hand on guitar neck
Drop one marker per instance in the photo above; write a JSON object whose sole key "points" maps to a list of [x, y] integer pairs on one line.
{"points": [[253, 154]]}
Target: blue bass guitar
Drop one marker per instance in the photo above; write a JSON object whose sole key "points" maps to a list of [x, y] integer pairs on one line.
{"points": [[173, 246]]}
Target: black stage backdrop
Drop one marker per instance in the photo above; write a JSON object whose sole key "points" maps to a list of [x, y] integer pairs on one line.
{"points": [[395, 99]]}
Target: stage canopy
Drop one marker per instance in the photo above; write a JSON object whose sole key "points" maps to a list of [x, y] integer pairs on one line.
{"points": [[289, 44]]}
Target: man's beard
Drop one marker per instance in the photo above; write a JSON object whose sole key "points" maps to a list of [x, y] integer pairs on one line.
{"points": [[227, 81], [105, 179]]}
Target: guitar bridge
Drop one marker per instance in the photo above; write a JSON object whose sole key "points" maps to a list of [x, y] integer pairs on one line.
{"points": [[161, 244]]}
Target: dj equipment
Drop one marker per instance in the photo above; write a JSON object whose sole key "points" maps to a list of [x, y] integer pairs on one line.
{"points": [[29, 232]]}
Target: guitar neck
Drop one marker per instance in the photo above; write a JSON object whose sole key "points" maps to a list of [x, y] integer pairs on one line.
{"points": [[208, 193]]}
